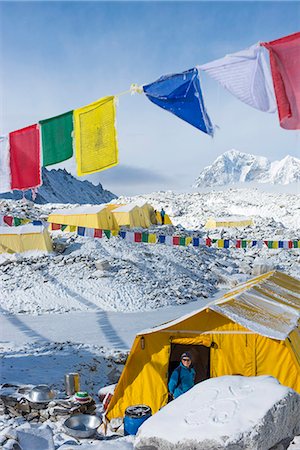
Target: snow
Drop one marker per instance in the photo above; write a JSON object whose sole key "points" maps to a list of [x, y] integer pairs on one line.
{"points": [[80, 210], [220, 412], [23, 229], [80, 310], [234, 166]]}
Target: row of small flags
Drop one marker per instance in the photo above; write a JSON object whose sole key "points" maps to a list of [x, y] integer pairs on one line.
{"points": [[137, 237], [12, 221]]}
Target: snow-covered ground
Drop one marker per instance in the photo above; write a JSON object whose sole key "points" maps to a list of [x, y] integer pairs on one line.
{"points": [[80, 310]]}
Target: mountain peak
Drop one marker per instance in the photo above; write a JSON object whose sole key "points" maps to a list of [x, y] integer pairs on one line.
{"points": [[234, 166]]}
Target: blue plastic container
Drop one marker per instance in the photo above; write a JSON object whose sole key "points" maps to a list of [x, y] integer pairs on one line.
{"points": [[134, 417]]}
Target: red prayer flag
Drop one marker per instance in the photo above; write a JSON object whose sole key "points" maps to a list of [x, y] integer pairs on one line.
{"points": [[238, 243], [25, 161], [285, 67], [97, 233], [8, 220], [175, 240], [290, 244], [208, 242], [137, 237], [55, 226]]}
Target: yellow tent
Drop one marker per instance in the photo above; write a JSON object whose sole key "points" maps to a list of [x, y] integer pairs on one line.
{"points": [[150, 213], [252, 330], [159, 220], [98, 216], [228, 222], [130, 215], [24, 238]]}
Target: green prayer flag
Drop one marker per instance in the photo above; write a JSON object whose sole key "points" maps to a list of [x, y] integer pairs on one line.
{"points": [[270, 244], [63, 227], [57, 143], [107, 233], [144, 237], [182, 241], [214, 241], [244, 244], [17, 221], [295, 244]]}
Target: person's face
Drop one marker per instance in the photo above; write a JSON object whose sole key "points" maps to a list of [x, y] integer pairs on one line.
{"points": [[186, 361]]}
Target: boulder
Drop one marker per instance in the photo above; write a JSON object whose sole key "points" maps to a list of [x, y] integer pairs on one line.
{"points": [[230, 412]]}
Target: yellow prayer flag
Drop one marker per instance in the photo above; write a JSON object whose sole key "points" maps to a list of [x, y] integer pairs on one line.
{"points": [[152, 238], [188, 240], [220, 243], [96, 145], [275, 244]]}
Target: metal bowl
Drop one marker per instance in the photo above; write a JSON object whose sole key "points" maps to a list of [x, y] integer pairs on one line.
{"points": [[40, 394], [82, 425]]}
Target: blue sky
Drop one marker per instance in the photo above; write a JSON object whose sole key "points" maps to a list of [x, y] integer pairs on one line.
{"points": [[56, 56]]}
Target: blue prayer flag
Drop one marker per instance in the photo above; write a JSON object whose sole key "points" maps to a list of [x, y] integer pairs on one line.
{"points": [[161, 239], [123, 234], [196, 242], [37, 222], [280, 244], [181, 95], [226, 243], [80, 231]]}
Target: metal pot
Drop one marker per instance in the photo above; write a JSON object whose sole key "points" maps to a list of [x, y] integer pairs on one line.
{"points": [[40, 394], [82, 425]]}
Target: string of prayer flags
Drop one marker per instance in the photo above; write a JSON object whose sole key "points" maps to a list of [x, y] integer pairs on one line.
{"points": [[285, 67], [5, 180], [181, 95], [57, 141], [246, 75], [25, 161], [96, 143]]}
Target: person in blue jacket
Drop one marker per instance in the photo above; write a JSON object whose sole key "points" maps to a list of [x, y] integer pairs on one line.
{"points": [[183, 377], [162, 215]]}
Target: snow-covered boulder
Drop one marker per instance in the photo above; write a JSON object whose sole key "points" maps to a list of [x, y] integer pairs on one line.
{"points": [[230, 412]]}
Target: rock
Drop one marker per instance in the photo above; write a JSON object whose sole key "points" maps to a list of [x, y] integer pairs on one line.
{"points": [[11, 444], [230, 412], [102, 265]]}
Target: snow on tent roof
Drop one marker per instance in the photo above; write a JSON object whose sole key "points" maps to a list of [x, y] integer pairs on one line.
{"points": [[79, 210], [230, 218], [268, 305], [125, 208], [23, 229]]}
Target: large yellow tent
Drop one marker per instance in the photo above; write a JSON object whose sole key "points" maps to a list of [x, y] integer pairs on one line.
{"points": [[252, 330], [24, 238], [131, 216], [98, 216], [167, 220], [228, 222]]}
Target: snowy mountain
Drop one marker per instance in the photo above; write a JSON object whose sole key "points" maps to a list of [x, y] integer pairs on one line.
{"points": [[236, 167], [59, 186]]}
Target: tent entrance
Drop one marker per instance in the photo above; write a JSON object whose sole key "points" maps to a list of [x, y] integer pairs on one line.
{"points": [[200, 356]]}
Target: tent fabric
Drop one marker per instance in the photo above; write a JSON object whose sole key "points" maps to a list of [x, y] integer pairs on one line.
{"points": [[252, 330], [25, 161], [181, 95], [57, 141], [228, 222], [98, 217], [95, 136], [285, 67], [246, 75], [24, 238], [5, 177], [129, 215], [159, 219]]}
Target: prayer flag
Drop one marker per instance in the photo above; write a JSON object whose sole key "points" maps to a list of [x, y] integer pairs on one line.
{"points": [[25, 162], [80, 231], [145, 237], [182, 241], [246, 75], [107, 233], [244, 243], [238, 243], [254, 243], [5, 176], [137, 237], [161, 239], [169, 240], [208, 242], [196, 242], [285, 67], [57, 141], [97, 233], [130, 236], [226, 243], [175, 240], [123, 234], [188, 240], [89, 232], [37, 222], [72, 228], [8, 220], [295, 244], [95, 136], [220, 243], [55, 226], [63, 227], [280, 244], [181, 95], [152, 238]]}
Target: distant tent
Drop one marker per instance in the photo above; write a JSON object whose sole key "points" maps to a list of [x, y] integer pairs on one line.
{"points": [[131, 216], [150, 213], [167, 219], [252, 330], [228, 222], [99, 217], [24, 238]]}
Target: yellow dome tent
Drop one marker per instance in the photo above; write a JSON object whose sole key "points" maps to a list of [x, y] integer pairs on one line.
{"points": [[24, 238], [252, 330], [98, 216], [228, 222]]}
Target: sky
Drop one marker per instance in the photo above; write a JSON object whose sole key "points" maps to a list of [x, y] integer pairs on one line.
{"points": [[58, 56]]}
